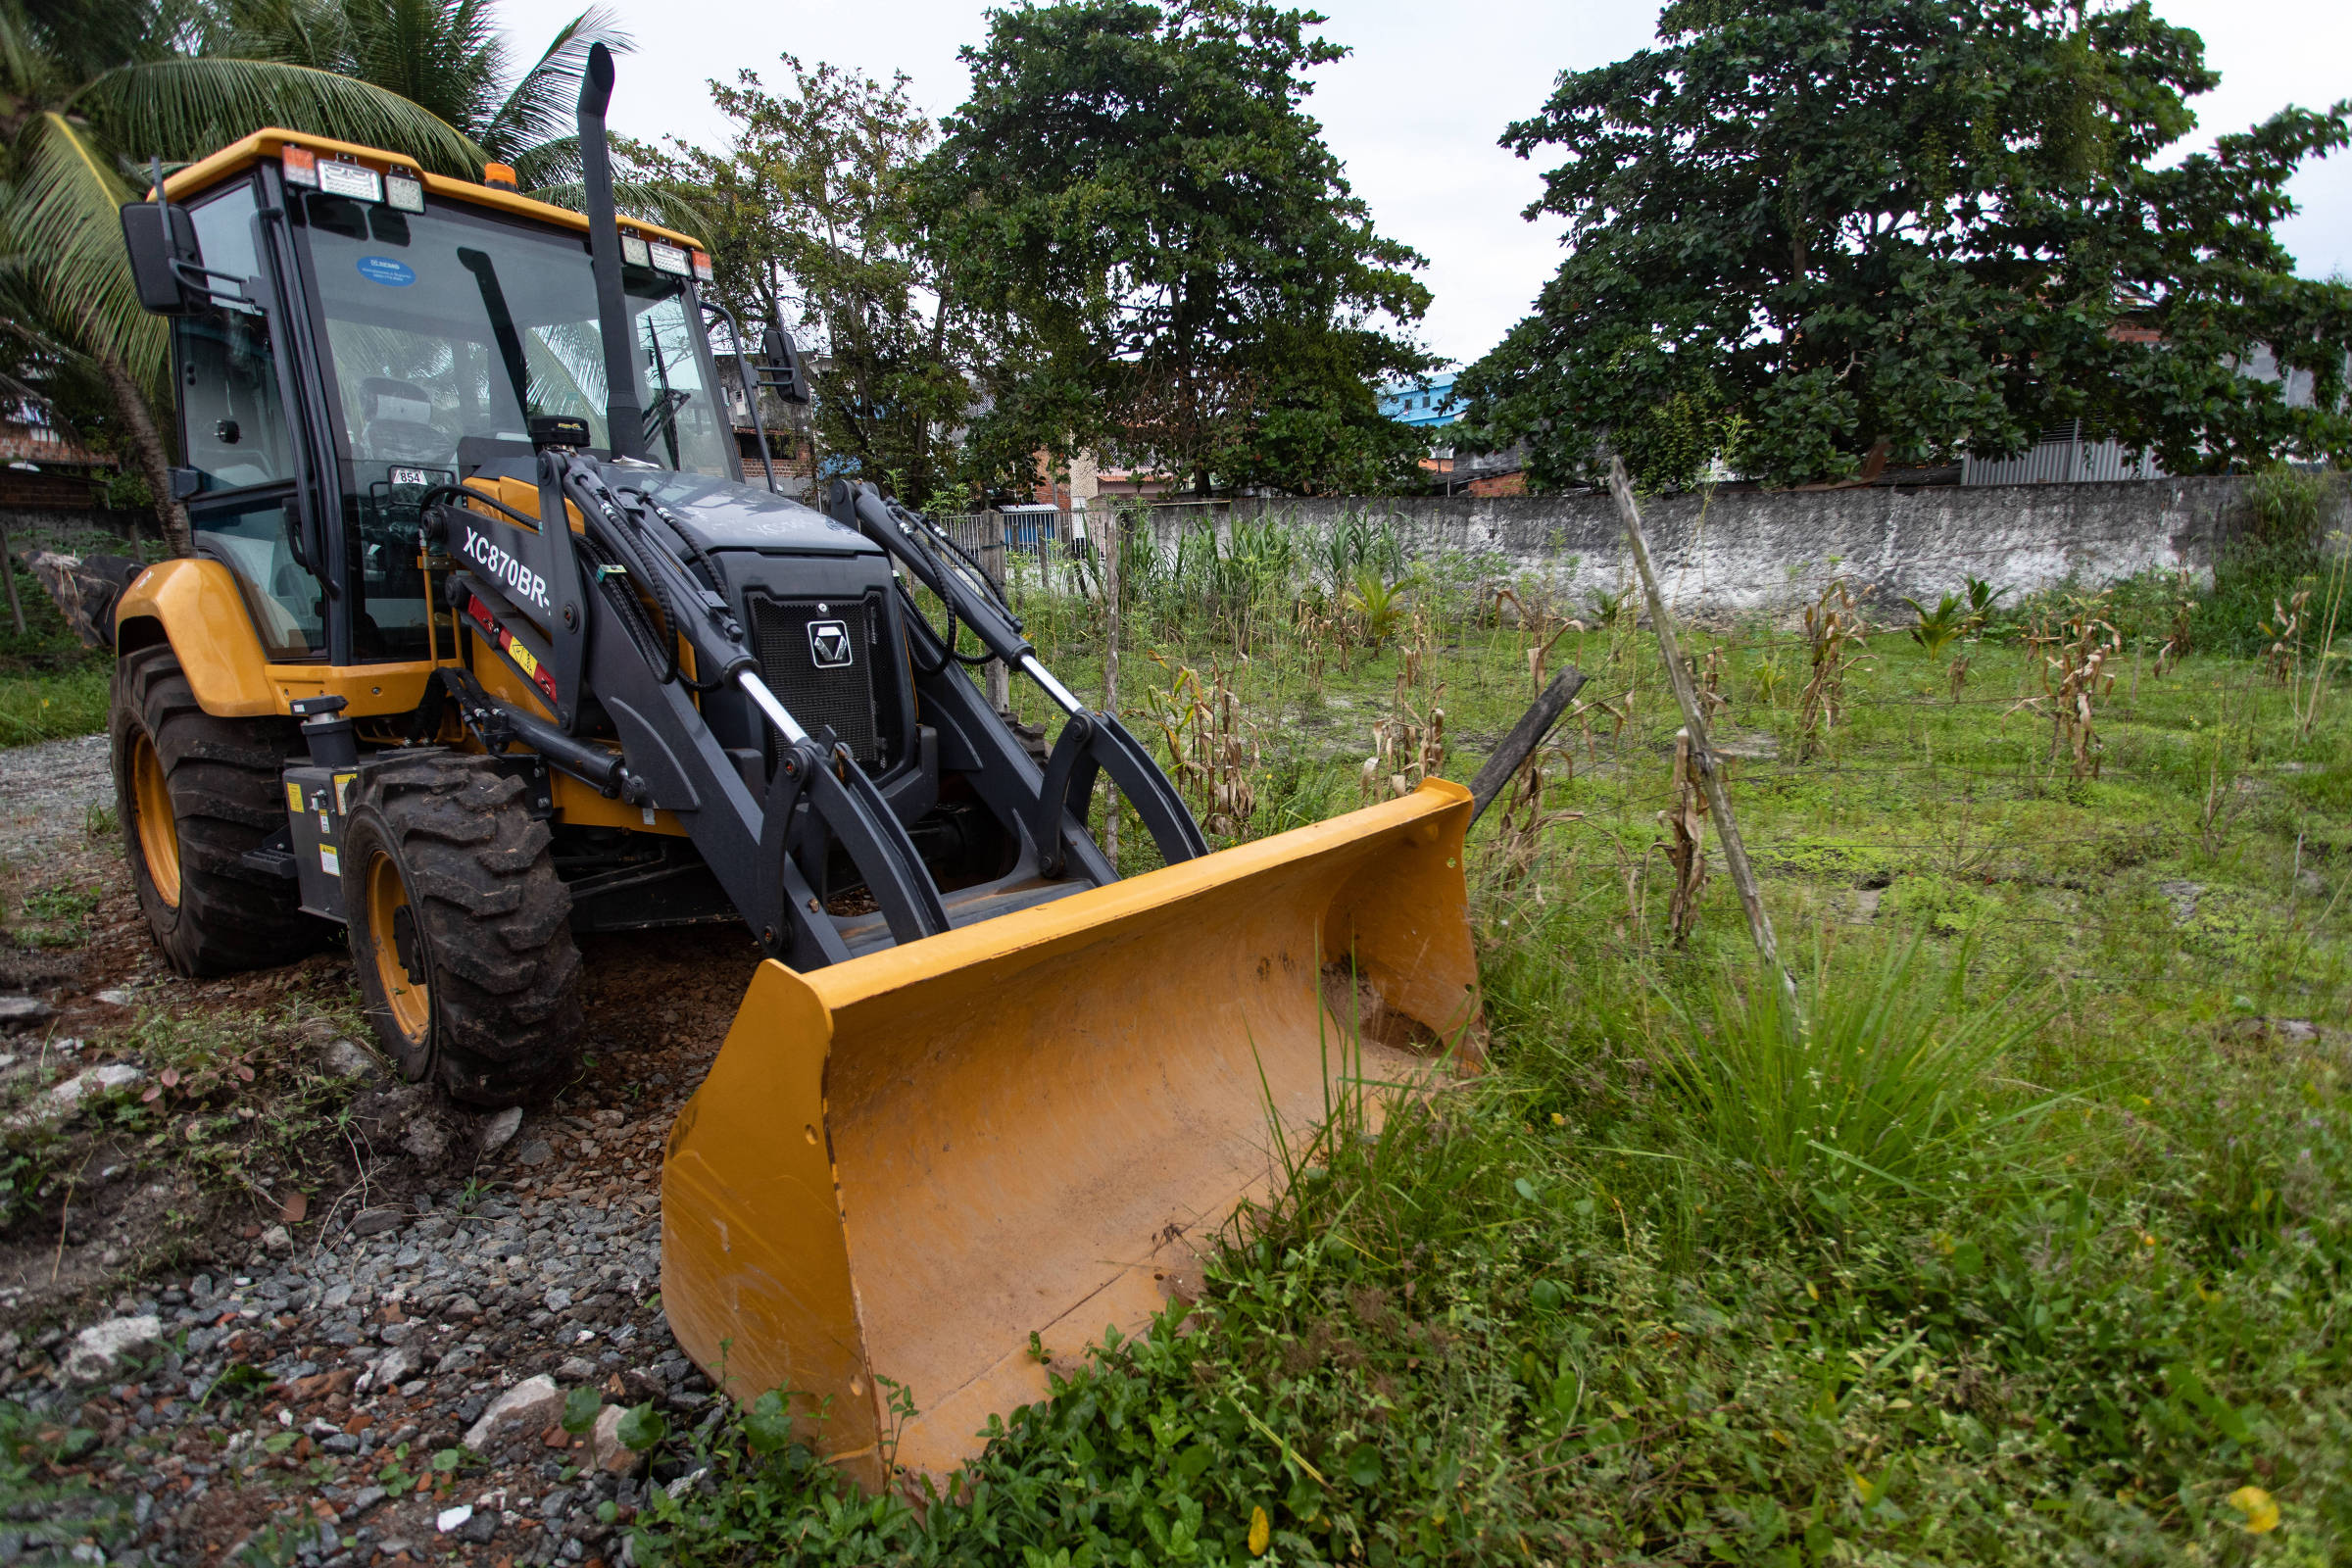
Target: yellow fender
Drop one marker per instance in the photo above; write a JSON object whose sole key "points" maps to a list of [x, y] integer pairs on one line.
{"points": [[902, 1166], [195, 605]]}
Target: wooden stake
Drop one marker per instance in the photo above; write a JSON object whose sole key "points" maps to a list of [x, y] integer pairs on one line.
{"points": [[1110, 672], [1524, 738], [1703, 754]]}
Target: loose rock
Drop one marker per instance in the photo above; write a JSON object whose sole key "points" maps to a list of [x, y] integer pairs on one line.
{"points": [[99, 1347], [348, 1059], [425, 1140], [606, 1451], [499, 1130], [17, 1011], [529, 1405]]}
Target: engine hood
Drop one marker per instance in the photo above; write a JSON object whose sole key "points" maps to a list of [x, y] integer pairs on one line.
{"points": [[721, 514]]}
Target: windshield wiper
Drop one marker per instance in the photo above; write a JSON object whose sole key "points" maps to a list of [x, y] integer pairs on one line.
{"points": [[502, 323], [664, 414]]}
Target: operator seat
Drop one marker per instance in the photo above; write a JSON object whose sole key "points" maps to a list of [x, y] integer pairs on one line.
{"points": [[396, 424]]}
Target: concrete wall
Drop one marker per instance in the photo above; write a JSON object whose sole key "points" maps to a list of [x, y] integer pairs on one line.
{"points": [[1756, 550], [79, 530]]}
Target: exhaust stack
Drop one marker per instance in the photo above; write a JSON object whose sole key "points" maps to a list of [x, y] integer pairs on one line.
{"points": [[624, 417]]}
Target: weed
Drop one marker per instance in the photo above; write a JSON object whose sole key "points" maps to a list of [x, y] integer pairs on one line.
{"points": [[1940, 627], [1375, 605], [60, 913]]}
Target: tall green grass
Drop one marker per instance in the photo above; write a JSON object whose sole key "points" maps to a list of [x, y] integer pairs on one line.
{"points": [[1885, 1085]]}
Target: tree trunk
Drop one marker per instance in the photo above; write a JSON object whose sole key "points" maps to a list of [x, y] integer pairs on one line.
{"points": [[154, 459]]}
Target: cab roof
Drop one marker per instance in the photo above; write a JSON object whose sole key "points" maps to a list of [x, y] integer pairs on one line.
{"points": [[270, 141]]}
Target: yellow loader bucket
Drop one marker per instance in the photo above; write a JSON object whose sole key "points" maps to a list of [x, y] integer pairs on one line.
{"points": [[904, 1166]]}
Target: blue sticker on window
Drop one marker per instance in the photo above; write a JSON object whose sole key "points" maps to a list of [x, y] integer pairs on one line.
{"points": [[387, 271]]}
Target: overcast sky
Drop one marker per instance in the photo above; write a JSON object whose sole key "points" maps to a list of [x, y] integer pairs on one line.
{"points": [[1415, 110]]}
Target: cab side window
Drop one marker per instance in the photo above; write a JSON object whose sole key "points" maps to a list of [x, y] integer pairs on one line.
{"points": [[236, 436], [236, 428]]}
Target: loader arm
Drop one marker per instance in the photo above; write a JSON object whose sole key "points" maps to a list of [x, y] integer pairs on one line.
{"points": [[1091, 740], [615, 602]]}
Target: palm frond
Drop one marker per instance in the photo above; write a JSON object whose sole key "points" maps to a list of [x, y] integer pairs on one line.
{"points": [[665, 205], [548, 163], [297, 32], [61, 215], [24, 67], [189, 107], [445, 55], [539, 107]]}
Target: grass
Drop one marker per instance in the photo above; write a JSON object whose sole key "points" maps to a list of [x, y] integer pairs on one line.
{"points": [[51, 687], [2026, 1244]]}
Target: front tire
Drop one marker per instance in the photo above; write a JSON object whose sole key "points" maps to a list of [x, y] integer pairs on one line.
{"points": [[194, 793], [461, 929]]}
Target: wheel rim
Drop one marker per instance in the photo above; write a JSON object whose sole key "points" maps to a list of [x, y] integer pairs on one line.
{"points": [[158, 833], [400, 971]]}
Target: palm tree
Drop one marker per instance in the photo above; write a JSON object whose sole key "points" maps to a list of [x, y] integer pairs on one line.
{"points": [[446, 56], [90, 91]]}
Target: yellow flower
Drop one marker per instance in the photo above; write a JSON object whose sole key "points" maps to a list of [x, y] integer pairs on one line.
{"points": [[2262, 1513], [1261, 1530], [1558, 1120]]}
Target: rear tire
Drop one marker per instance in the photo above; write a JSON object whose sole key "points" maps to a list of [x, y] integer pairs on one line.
{"points": [[194, 793], [461, 929]]}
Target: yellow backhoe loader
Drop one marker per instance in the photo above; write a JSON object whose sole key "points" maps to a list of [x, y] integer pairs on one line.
{"points": [[485, 641]]}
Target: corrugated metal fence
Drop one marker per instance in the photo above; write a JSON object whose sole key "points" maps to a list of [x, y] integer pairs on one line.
{"points": [[2066, 453]]}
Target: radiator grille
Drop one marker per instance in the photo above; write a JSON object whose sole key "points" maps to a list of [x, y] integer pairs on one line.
{"points": [[841, 697]]}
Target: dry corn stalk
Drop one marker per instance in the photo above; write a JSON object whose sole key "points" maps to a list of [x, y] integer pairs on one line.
{"points": [[1520, 839], [2175, 644], [1833, 632], [2075, 657], [1317, 622], [1538, 633], [1710, 682], [1212, 747], [1407, 747], [1420, 648], [2284, 661], [1685, 848]]}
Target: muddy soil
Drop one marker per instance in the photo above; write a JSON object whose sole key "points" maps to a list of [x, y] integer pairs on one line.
{"points": [[276, 1352]]}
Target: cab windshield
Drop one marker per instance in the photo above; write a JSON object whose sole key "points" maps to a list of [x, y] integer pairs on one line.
{"points": [[447, 332]]}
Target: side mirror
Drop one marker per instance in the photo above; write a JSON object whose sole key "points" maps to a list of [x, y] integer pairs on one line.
{"points": [[161, 237], [782, 370]]}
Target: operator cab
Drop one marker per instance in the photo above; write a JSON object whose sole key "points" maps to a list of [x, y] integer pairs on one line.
{"points": [[448, 322]]}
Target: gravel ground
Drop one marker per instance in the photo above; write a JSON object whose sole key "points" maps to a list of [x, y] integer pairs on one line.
{"points": [[309, 1390], [46, 792], [285, 1397]]}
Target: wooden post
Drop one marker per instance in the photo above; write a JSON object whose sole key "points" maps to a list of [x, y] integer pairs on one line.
{"points": [[1110, 671], [8, 564], [1703, 754], [1524, 738]]}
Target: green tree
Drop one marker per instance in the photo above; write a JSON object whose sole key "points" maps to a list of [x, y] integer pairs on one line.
{"points": [[1797, 228], [88, 92], [1168, 259], [811, 218]]}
